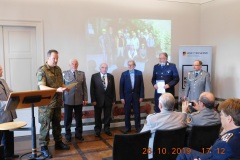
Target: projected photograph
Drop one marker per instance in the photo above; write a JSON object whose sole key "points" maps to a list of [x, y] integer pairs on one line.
{"points": [[115, 41]]}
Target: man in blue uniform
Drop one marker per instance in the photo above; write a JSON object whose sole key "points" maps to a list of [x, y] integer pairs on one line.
{"points": [[227, 146], [167, 73]]}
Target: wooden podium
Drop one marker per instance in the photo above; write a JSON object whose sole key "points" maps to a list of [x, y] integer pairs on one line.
{"points": [[19, 100]]}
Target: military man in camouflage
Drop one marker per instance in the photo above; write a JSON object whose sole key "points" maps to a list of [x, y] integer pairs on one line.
{"points": [[50, 77]]}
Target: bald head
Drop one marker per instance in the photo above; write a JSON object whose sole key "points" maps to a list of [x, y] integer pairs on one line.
{"points": [[208, 99], [73, 64], [103, 68]]}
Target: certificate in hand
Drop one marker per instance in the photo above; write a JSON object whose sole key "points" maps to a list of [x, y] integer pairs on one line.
{"points": [[70, 86], [160, 84]]}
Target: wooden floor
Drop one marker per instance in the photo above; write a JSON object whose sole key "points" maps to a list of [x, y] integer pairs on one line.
{"points": [[92, 148]]}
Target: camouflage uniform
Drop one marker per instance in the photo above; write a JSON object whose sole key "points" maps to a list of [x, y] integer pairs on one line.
{"points": [[51, 77]]}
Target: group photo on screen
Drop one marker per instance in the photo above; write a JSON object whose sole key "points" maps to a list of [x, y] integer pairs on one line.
{"points": [[115, 41]]}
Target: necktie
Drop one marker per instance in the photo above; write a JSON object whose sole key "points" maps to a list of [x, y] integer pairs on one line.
{"points": [[196, 74], [103, 82], [3, 87], [74, 75]]}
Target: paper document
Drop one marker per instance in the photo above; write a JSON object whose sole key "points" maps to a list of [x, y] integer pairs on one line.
{"points": [[72, 85], [160, 84]]}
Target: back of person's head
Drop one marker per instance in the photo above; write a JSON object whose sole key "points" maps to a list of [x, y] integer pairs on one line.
{"points": [[208, 99], [167, 101], [231, 107]]}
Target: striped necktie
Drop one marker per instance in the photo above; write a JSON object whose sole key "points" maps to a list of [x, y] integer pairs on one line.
{"points": [[103, 82]]}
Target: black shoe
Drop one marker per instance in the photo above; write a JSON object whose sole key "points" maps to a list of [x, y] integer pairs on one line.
{"points": [[126, 131], [61, 146], [79, 138], [138, 130], [108, 133], [68, 139], [97, 134], [45, 152]]}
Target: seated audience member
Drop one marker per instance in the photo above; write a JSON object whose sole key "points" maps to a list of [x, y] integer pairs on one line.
{"points": [[205, 114], [166, 119], [227, 146]]}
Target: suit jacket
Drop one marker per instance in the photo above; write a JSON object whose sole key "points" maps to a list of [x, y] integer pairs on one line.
{"points": [[196, 85], [168, 73], [163, 120], [126, 91], [77, 94], [5, 116], [97, 91]]}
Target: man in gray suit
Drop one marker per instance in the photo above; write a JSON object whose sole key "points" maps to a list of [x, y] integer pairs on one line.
{"points": [[74, 99], [205, 114], [198, 81], [6, 137], [166, 119]]}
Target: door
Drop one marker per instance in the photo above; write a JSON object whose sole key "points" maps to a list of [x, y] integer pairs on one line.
{"points": [[19, 52]]}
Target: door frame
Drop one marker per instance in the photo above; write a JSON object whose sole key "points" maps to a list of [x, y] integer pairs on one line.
{"points": [[39, 38]]}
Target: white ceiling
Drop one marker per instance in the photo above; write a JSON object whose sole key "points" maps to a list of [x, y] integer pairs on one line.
{"points": [[190, 1]]}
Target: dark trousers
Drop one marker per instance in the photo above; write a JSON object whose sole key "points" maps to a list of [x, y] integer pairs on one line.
{"points": [[7, 140], [135, 105], [107, 113], [68, 115], [156, 100]]}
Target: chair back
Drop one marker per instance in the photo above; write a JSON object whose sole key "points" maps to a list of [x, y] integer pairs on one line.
{"points": [[201, 138], [131, 146], [168, 143], [1, 152]]}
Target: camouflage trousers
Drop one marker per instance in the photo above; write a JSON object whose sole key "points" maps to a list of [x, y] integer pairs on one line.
{"points": [[46, 115]]}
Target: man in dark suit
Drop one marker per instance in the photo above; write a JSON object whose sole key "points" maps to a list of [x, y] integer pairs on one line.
{"points": [[167, 73], [131, 94], [102, 90]]}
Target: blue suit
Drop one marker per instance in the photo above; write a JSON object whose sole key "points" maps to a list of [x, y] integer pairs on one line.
{"points": [[225, 147], [169, 74], [131, 95]]}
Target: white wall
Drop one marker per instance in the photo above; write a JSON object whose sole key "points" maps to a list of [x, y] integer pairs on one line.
{"points": [[215, 23], [220, 27], [63, 22]]}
